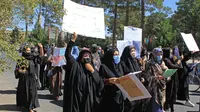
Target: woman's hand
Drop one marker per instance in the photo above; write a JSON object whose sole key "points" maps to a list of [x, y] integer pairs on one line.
{"points": [[74, 37]]}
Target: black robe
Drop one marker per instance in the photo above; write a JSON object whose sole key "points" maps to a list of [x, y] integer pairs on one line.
{"points": [[43, 73], [129, 65], [112, 99], [171, 85], [82, 89], [27, 85], [183, 88]]}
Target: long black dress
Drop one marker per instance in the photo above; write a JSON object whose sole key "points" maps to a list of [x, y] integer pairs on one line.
{"points": [[171, 85], [27, 86], [112, 99], [43, 73], [82, 89], [183, 88], [129, 65]]}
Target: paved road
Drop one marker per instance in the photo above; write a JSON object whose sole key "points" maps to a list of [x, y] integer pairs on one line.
{"points": [[8, 95]]}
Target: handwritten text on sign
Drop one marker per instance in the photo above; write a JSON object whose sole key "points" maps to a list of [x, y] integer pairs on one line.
{"points": [[83, 20]]}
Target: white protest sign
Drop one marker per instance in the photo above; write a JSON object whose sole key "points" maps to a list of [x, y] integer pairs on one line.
{"points": [[190, 42], [83, 20], [132, 33], [131, 86]]}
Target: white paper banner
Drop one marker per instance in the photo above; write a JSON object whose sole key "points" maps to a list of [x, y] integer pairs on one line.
{"points": [[133, 89], [83, 20], [190, 42], [132, 33]]}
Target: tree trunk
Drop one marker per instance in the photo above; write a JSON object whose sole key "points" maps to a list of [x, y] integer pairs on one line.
{"points": [[26, 33], [127, 13], [39, 16], [114, 24], [142, 19]]}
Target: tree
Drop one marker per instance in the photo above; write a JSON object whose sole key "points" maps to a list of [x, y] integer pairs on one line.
{"points": [[8, 52], [146, 5], [186, 18], [26, 11], [52, 11], [15, 35], [159, 27]]}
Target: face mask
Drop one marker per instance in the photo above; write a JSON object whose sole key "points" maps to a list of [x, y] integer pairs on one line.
{"points": [[87, 60], [99, 51], [116, 59], [159, 59]]}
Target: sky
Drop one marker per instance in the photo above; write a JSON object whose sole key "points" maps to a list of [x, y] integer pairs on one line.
{"points": [[169, 3]]}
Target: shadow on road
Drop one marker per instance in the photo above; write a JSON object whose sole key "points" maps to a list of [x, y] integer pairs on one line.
{"points": [[58, 103], [195, 94], [7, 91], [12, 107], [48, 97], [192, 111], [179, 103]]}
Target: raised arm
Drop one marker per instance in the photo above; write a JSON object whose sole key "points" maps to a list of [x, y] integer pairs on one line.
{"points": [[41, 49], [70, 59]]}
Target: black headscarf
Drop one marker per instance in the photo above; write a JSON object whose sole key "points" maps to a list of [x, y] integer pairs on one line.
{"points": [[82, 88], [109, 62], [130, 64], [80, 57], [166, 53]]}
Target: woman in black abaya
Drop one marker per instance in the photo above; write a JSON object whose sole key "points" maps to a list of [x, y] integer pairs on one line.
{"points": [[183, 88], [112, 99], [130, 64], [129, 61], [172, 84], [27, 74], [83, 85]]}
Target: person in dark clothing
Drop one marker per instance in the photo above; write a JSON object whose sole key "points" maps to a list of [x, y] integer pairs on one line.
{"points": [[183, 88], [96, 57], [27, 73], [82, 85], [112, 99], [129, 60], [172, 84], [154, 83], [43, 70], [56, 82], [130, 64]]}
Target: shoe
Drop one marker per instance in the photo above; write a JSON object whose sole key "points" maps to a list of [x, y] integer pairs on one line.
{"points": [[189, 103]]}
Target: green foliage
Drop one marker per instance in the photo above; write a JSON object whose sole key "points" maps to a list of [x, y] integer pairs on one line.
{"points": [[15, 35], [85, 42], [8, 52], [186, 18], [52, 11]]}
